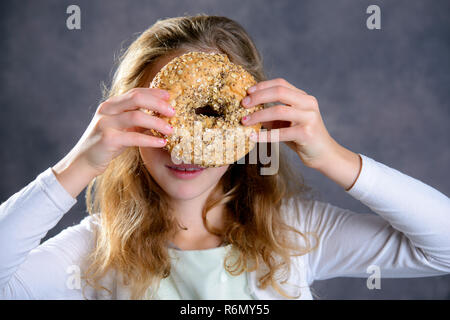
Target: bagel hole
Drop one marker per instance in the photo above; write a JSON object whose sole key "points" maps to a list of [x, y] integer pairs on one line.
{"points": [[208, 111]]}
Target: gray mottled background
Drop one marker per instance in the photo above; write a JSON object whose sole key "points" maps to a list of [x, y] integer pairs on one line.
{"points": [[383, 93]]}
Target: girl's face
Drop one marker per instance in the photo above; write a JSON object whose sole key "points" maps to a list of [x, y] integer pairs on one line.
{"points": [[177, 183]]}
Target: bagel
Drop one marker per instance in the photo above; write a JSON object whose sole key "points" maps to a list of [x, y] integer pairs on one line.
{"points": [[206, 90]]}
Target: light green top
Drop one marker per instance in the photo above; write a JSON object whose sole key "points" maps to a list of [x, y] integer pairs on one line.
{"points": [[200, 274]]}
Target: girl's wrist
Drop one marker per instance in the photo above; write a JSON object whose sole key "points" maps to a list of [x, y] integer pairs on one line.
{"points": [[343, 166], [74, 175]]}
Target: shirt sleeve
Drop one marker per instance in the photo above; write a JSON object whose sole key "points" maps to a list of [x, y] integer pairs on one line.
{"points": [[29, 270], [408, 236]]}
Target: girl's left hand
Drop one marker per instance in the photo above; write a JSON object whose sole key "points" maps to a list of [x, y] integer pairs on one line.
{"points": [[300, 125], [297, 118]]}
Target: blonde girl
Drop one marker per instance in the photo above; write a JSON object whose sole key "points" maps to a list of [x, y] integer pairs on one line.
{"points": [[221, 233]]}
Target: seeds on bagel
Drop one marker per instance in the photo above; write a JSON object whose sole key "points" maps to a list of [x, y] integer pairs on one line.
{"points": [[206, 90]]}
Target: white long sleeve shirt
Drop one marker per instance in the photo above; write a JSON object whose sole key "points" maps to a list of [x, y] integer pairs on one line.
{"points": [[409, 236]]}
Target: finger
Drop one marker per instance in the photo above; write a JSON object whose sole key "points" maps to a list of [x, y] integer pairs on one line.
{"points": [[138, 119], [276, 135], [277, 124], [278, 112], [148, 98], [276, 94], [131, 139], [272, 83], [136, 129]]}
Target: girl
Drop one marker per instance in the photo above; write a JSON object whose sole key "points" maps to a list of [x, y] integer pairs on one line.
{"points": [[226, 232]]}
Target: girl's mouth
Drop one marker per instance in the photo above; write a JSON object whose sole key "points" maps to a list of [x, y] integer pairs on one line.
{"points": [[185, 171]]}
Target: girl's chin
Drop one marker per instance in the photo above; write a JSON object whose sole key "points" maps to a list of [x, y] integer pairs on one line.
{"points": [[184, 193], [184, 188]]}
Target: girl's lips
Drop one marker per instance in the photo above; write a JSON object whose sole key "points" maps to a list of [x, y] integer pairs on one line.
{"points": [[185, 171]]}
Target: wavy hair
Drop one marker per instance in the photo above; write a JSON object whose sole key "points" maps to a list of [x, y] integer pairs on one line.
{"points": [[136, 222]]}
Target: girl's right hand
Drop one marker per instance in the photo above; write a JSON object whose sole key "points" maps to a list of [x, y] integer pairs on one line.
{"points": [[117, 124]]}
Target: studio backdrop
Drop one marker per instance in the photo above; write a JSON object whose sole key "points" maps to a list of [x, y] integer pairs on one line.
{"points": [[382, 83]]}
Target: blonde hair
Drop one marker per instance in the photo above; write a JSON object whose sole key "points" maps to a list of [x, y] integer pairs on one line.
{"points": [[135, 218]]}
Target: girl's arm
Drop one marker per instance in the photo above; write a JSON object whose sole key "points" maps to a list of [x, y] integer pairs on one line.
{"points": [[409, 236], [30, 270], [25, 218]]}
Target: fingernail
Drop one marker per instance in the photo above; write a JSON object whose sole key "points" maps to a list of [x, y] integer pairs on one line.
{"points": [[172, 110], [246, 101], [251, 89], [246, 118], [165, 94], [162, 141], [169, 127]]}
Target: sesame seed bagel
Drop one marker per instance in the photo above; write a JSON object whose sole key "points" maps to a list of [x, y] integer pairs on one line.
{"points": [[206, 90]]}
